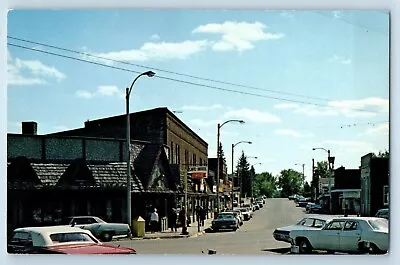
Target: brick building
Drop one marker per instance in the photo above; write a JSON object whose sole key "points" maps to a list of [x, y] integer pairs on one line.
{"points": [[374, 184], [183, 146], [346, 191]]}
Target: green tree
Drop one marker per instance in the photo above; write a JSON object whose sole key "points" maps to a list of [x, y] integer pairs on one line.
{"points": [[290, 181], [307, 190], [320, 171], [383, 154], [265, 184], [243, 172]]}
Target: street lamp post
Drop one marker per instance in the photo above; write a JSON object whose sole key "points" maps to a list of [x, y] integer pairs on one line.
{"points": [[218, 155], [233, 181], [303, 170], [128, 151], [330, 175]]}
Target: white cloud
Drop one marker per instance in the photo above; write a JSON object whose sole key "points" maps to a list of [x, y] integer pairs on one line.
{"points": [[252, 115], [109, 91], [155, 37], [101, 91], [293, 133], [202, 108], [83, 94], [157, 51], [238, 36], [30, 72], [286, 106], [39, 69], [380, 129], [369, 107], [340, 59]]}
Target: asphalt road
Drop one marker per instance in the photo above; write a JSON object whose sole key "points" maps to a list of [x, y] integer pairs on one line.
{"points": [[254, 237]]}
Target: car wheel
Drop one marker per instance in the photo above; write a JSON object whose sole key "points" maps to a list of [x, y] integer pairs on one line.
{"points": [[373, 249], [106, 236], [236, 228], [304, 246]]}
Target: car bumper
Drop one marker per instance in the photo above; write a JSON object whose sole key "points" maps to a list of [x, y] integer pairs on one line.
{"points": [[222, 227], [282, 237]]}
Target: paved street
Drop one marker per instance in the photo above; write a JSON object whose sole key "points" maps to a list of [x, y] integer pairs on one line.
{"points": [[254, 237]]}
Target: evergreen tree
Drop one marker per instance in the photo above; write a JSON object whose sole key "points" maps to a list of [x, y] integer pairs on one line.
{"points": [[243, 171]]}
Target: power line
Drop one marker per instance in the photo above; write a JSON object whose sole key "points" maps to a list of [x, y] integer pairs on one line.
{"points": [[187, 82], [365, 123], [351, 22], [165, 71]]}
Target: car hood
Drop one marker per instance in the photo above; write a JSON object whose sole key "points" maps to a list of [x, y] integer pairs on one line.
{"points": [[297, 227], [91, 249]]}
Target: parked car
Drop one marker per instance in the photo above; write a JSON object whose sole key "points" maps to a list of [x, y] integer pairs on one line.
{"points": [[313, 208], [224, 221], [237, 214], [345, 234], [101, 229], [59, 240], [383, 213], [246, 213], [250, 208], [256, 207], [309, 222]]}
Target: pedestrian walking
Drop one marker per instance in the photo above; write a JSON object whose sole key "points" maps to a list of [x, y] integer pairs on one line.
{"points": [[172, 220], [154, 221], [202, 215]]}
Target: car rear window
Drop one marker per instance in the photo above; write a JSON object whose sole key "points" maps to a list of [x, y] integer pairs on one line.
{"points": [[71, 237], [380, 224]]}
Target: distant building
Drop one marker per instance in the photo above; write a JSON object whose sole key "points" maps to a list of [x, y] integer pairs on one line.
{"points": [[346, 191], [374, 184]]}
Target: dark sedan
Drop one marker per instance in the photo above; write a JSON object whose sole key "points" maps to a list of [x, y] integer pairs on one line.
{"points": [[225, 221]]}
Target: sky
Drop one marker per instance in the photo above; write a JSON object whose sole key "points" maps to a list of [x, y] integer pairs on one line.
{"points": [[299, 79]]}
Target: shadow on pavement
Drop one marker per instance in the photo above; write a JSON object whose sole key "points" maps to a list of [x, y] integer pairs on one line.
{"points": [[278, 250]]}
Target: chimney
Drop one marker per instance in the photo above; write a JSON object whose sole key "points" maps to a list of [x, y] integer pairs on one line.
{"points": [[29, 128]]}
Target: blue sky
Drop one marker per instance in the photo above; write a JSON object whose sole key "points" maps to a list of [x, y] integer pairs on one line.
{"points": [[341, 57]]}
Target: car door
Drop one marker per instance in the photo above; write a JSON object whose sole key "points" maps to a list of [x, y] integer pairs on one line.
{"points": [[329, 236], [350, 236]]}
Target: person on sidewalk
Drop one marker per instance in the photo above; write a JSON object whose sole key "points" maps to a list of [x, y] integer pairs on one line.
{"points": [[172, 220], [154, 221], [202, 214], [182, 217]]}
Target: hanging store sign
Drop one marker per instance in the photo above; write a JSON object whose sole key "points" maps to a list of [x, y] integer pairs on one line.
{"points": [[198, 172]]}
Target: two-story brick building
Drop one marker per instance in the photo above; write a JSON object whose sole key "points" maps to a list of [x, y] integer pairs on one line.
{"points": [[184, 147]]}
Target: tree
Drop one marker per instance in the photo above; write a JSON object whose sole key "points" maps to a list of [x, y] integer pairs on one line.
{"points": [[243, 172], [384, 154], [320, 171], [265, 184], [290, 181], [307, 192]]}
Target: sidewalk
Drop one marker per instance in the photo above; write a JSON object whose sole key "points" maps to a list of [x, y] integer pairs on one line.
{"points": [[192, 230]]}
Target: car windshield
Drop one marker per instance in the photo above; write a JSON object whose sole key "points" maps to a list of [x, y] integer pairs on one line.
{"points": [[221, 216], [99, 220], [75, 237], [379, 224]]}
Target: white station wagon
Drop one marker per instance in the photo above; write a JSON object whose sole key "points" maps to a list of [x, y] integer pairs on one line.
{"points": [[345, 234]]}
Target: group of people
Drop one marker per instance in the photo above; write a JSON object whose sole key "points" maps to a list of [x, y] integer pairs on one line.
{"points": [[174, 216]]}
